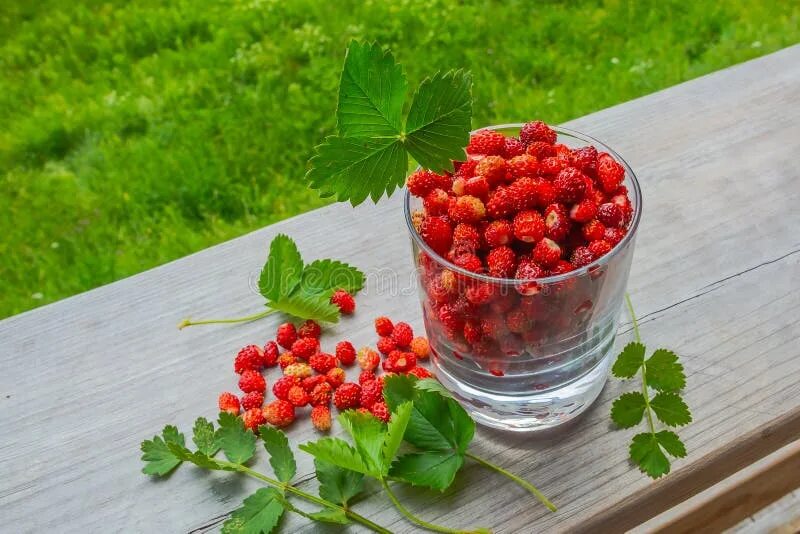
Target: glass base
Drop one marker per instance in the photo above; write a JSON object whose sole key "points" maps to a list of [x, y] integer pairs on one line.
{"points": [[528, 413]]}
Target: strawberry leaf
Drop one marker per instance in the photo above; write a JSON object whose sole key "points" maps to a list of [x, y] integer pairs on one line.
{"points": [[156, 454], [671, 443], [337, 452], [316, 306], [394, 434], [628, 409], [647, 454], [629, 360], [320, 276], [337, 484], [431, 469], [664, 373], [259, 514], [282, 271], [369, 435], [280, 454], [670, 409], [203, 437], [237, 443]]}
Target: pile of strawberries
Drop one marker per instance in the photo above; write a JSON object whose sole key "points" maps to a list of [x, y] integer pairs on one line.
{"points": [[314, 378], [519, 209]]}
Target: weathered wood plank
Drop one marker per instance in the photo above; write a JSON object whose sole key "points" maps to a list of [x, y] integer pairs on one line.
{"points": [[715, 277]]}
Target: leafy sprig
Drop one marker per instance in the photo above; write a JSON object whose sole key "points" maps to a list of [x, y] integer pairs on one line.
{"points": [[369, 155], [663, 373], [298, 289]]}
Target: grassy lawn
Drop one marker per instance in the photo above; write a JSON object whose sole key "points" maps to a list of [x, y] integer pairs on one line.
{"points": [[134, 133]]}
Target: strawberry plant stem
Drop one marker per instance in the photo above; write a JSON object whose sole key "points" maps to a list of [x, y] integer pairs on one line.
{"points": [[303, 495], [188, 322], [416, 520], [522, 482], [645, 392]]}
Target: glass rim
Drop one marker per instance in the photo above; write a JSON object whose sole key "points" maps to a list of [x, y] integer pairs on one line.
{"points": [[603, 260]]}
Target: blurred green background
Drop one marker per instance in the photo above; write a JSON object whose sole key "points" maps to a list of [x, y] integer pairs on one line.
{"points": [[134, 133]]}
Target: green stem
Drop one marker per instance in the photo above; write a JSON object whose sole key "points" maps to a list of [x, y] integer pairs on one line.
{"points": [[521, 481], [645, 392], [416, 520], [188, 322], [303, 495]]}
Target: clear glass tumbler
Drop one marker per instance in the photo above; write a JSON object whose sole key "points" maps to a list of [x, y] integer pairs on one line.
{"points": [[554, 368]]}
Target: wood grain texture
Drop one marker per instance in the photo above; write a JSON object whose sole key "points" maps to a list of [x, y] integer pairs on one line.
{"points": [[716, 277]]}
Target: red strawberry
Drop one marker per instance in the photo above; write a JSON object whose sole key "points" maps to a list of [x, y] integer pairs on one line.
{"points": [[493, 169], [517, 321], [298, 396], [321, 418], [228, 402], [529, 226], [423, 182], [561, 267], [309, 329], [524, 166], [420, 372], [250, 357], [322, 362], [279, 413], [501, 204], [614, 235], [344, 301], [514, 147], [287, 334], [487, 142], [469, 262], [467, 209], [399, 362], [310, 382], [253, 418], [347, 396], [271, 354], [547, 253], [584, 211], [371, 392], [321, 394], [550, 167], [540, 150], [584, 159], [437, 233], [305, 347], [498, 233], [383, 326], [537, 131], [609, 173], [381, 411], [593, 230], [581, 256], [599, 248], [472, 332], [402, 335], [477, 187], [286, 359], [610, 214], [466, 169], [528, 271], [479, 294], [369, 359], [501, 262], [335, 377], [385, 346], [282, 386], [436, 202], [532, 192], [345, 352], [570, 185], [251, 400], [365, 376], [252, 381], [466, 236]]}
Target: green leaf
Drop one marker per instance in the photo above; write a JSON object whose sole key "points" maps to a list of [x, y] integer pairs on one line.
{"points": [[322, 275], [629, 360], [438, 124], [337, 484], [353, 168], [330, 516], [433, 385], [203, 437], [664, 373], [308, 306], [237, 443], [282, 271], [670, 409], [394, 433], [281, 457], [259, 514], [647, 454], [628, 409], [671, 443], [432, 469], [372, 91], [369, 435], [197, 458], [157, 457], [337, 452]]}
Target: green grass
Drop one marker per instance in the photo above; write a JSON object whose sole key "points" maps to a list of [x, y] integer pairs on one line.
{"points": [[134, 133]]}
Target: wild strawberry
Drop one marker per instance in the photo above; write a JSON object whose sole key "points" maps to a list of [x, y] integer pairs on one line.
{"points": [[493, 169], [299, 369], [501, 204], [477, 187], [365, 376], [286, 359], [493, 327], [402, 335], [271, 354], [310, 382], [517, 321], [537, 131], [436, 202], [514, 147], [279, 413], [624, 204], [371, 392], [458, 189], [322, 362], [347, 396], [469, 262], [251, 400], [416, 219], [286, 336], [501, 262], [298, 396], [423, 182], [305, 347], [466, 236], [614, 235], [250, 357], [563, 266], [420, 347], [472, 332], [437, 233], [609, 173], [335, 377], [282, 386], [228, 402], [480, 293], [581, 256], [610, 214], [584, 211], [252, 381], [420, 372], [309, 328], [498, 233], [528, 271], [599, 248], [381, 411], [466, 169], [321, 418], [253, 418], [547, 253], [450, 318], [487, 142], [449, 281], [532, 192], [321, 394], [345, 352], [524, 166], [584, 159], [529, 226], [467, 209], [369, 359], [593, 230], [399, 362], [383, 326], [540, 150], [550, 167], [344, 301], [570, 185]]}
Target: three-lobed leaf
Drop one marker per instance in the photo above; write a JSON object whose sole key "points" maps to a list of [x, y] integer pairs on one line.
{"points": [[237, 443], [629, 360], [431, 469], [670, 409], [664, 373], [204, 437], [156, 454], [259, 514], [338, 484], [281, 457], [628, 409]]}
